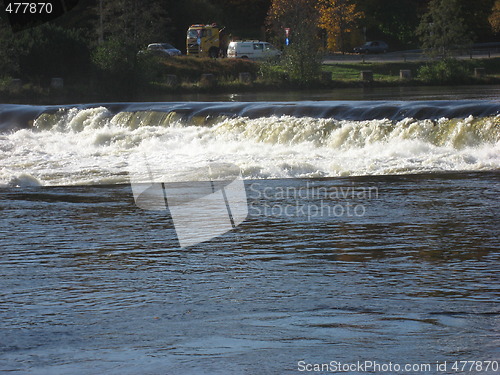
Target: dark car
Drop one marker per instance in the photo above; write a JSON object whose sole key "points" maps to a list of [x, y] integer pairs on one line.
{"points": [[372, 47], [163, 49]]}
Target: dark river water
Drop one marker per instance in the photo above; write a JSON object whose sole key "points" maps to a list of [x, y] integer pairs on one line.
{"points": [[92, 284], [357, 238]]}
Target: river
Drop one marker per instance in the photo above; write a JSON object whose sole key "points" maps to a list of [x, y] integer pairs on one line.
{"points": [[309, 234]]}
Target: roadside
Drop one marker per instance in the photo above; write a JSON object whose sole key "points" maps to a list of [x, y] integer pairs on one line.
{"points": [[404, 56], [386, 71], [154, 79]]}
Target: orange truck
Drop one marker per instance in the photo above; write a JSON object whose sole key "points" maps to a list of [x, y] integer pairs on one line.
{"points": [[206, 41]]}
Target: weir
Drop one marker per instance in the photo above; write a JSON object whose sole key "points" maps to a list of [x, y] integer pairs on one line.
{"points": [[22, 116], [92, 143]]}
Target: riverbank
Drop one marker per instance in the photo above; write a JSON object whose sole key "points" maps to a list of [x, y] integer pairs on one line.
{"points": [[185, 75]]}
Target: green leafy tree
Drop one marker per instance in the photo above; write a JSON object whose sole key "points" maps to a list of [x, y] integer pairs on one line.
{"points": [[9, 62], [124, 27], [392, 20], [302, 59], [44, 51], [134, 23], [52, 51], [243, 16], [442, 30], [475, 14]]}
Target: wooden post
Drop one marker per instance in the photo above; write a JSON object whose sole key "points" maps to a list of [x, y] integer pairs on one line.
{"points": [[404, 74], [171, 80], [479, 72]]}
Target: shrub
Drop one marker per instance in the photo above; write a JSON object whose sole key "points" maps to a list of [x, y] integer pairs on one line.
{"points": [[272, 72], [302, 63], [52, 51], [445, 71], [115, 64], [189, 68]]}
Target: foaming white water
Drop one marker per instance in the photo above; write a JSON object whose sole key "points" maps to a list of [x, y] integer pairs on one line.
{"points": [[93, 146]]}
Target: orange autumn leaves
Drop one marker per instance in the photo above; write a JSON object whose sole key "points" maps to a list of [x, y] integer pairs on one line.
{"points": [[336, 17], [495, 17]]}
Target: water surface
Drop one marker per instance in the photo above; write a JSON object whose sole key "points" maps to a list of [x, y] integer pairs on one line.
{"points": [[372, 235]]}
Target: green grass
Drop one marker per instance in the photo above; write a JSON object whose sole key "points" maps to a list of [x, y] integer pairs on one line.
{"points": [[267, 76], [390, 71], [384, 71]]}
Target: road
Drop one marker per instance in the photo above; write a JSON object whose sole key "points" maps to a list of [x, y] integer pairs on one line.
{"points": [[400, 56]]}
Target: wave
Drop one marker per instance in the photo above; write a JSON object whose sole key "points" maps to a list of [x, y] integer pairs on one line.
{"points": [[91, 144]]}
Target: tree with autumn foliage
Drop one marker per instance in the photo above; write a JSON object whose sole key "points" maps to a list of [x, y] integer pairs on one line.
{"points": [[338, 18], [494, 18], [301, 56]]}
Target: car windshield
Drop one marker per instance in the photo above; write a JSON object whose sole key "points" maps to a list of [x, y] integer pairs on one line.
{"points": [[167, 46], [193, 33]]}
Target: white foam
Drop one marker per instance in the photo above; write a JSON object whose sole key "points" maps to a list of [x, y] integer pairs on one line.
{"points": [[92, 147]]}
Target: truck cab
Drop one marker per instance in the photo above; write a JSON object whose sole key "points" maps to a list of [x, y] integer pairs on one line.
{"points": [[206, 41]]}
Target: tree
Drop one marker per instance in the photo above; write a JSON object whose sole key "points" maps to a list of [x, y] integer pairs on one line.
{"points": [[9, 62], [242, 16], [301, 58], [124, 28], [134, 23], [475, 14], [52, 51], [337, 17], [494, 18], [394, 21], [442, 30]]}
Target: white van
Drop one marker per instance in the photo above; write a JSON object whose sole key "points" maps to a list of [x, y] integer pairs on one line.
{"points": [[252, 49]]}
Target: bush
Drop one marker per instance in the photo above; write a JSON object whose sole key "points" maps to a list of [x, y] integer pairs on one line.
{"points": [[272, 72], [148, 68], [445, 71], [302, 63], [52, 51], [115, 63], [189, 68]]}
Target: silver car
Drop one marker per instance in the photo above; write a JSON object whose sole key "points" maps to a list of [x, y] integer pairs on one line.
{"points": [[372, 47], [163, 49]]}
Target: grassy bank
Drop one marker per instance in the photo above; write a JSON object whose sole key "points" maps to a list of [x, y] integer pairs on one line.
{"points": [[388, 72], [153, 77]]}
